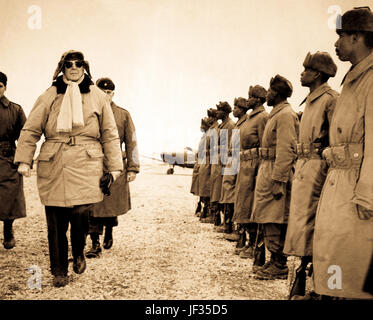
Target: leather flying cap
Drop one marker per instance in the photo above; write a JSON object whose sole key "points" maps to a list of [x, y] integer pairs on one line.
{"points": [[257, 92], [281, 85], [241, 103], [71, 55], [105, 84], [357, 19], [224, 106], [322, 62]]}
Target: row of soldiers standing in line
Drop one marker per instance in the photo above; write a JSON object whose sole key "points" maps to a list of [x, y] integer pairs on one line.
{"points": [[323, 162]]}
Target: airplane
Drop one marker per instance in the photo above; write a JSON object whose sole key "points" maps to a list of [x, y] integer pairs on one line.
{"points": [[185, 159]]}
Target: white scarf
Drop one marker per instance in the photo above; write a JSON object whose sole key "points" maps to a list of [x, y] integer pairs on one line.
{"points": [[71, 111]]}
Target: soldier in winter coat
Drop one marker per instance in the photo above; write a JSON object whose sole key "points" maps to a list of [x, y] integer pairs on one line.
{"points": [[118, 202], [80, 136], [12, 119], [343, 237], [310, 169], [273, 184]]}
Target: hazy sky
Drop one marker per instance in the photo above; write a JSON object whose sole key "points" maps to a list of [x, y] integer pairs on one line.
{"points": [[170, 60]]}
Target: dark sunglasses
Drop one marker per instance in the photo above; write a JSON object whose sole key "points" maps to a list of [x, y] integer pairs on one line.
{"points": [[69, 64]]}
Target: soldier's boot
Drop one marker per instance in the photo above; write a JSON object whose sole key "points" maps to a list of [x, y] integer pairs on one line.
{"points": [[108, 238], [9, 240], [277, 270], [217, 218], [208, 217], [248, 252], [298, 288], [203, 212], [228, 218], [241, 243], [95, 250], [257, 268], [234, 236]]}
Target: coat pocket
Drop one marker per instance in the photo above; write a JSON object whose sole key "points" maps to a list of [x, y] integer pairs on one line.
{"points": [[95, 161], [45, 164]]}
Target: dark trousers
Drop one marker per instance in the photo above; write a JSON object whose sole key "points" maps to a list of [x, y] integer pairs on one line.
{"points": [[96, 225], [58, 219], [274, 237]]}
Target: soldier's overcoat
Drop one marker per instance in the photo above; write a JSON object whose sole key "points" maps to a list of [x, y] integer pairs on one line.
{"points": [[119, 200], [12, 199], [216, 177], [310, 170], [251, 128], [343, 243], [280, 135]]}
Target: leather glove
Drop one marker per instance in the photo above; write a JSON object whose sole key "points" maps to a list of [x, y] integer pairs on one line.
{"points": [[363, 213], [278, 189], [105, 183], [131, 176], [24, 169]]}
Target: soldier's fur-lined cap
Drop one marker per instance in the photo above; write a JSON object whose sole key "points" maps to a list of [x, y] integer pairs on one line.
{"points": [[207, 122], [3, 78], [281, 85], [322, 62], [105, 84], [71, 55], [211, 113], [224, 106], [241, 103], [257, 92], [357, 19]]}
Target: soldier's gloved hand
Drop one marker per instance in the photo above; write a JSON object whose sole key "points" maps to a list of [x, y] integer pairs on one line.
{"points": [[131, 176], [115, 174], [105, 183], [278, 189], [24, 169], [364, 213]]}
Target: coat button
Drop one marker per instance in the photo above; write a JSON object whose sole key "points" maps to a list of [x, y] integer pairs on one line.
{"points": [[332, 182], [356, 155], [339, 130]]}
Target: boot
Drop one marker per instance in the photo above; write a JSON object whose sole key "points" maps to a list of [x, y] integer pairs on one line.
{"points": [[108, 238], [298, 287], [228, 216], [95, 251], [257, 268], [259, 255], [217, 218], [248, 252], [241, 241], [204, 212], [79, 265], [9, 240], [234, 235], [276, 270], [60, 281]]}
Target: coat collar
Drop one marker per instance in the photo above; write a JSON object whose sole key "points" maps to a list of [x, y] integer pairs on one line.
{"points": [[62, 86], [278, 108], [4, 101], [225, 122], [241, 120], [214, 125], [256, 111], [318, 92], [357, 70]]}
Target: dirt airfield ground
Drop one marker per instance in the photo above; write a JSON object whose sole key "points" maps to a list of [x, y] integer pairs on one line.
{"points": [[160, 251]]}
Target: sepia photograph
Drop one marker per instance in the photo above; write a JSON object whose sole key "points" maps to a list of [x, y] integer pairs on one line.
{"points": [[195, 151]]}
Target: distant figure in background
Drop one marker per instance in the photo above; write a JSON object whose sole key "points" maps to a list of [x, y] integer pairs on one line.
{"points": [[118, 202], [194, 188], [223, 193], [80, 137], [12, 199], [204, 172]]}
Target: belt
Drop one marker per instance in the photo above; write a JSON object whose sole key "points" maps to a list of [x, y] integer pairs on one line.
{"points": [[309, 150], [344, 156], [249, 154], [73, 140], [267, 153]]}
